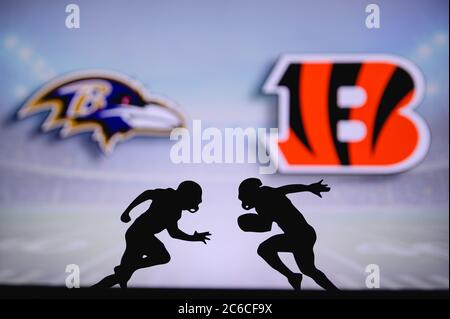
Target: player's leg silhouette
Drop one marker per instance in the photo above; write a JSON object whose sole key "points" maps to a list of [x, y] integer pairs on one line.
{"points": [[272, 205], [143, 248]]}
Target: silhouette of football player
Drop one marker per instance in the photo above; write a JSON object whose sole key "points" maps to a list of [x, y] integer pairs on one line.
{"points": [[143, 249], [272, 205]]}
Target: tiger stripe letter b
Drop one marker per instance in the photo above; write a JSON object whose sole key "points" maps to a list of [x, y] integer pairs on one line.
{"points": [[348, 114]]}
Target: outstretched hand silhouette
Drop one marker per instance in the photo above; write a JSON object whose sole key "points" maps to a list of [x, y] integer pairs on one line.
{"points": [[317, 188], [203, 237]]}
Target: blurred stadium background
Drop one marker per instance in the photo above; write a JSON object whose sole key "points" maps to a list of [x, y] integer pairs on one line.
{"points": [[60, 199]]}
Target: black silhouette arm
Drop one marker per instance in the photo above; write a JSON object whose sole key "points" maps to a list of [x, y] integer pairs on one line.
{"points": [[146, 195], [254, 223], [177, 233], [294, 188], [315, 188]]}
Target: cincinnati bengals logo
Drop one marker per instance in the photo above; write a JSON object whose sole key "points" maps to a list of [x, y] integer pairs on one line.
{"points": [[348, 114]]}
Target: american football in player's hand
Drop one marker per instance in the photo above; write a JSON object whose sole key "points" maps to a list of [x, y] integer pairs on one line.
{"points": [[247, 222]]}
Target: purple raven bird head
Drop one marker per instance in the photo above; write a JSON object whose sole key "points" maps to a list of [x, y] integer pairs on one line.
{"points": [[111, 106]]}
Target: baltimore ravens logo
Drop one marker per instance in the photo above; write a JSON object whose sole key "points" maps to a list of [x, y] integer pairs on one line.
{"points": [[348, 113], [111, 106]]}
